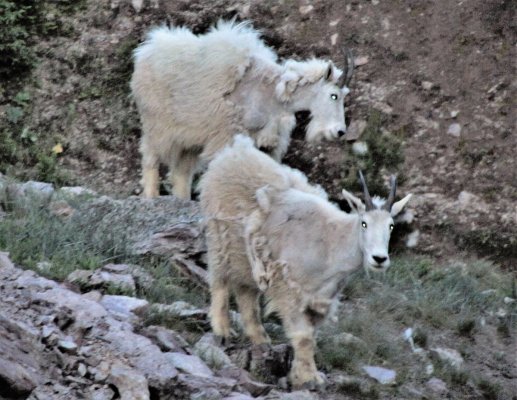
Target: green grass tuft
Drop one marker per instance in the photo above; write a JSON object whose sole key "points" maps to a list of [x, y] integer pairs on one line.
{"points": [[385, 155]]}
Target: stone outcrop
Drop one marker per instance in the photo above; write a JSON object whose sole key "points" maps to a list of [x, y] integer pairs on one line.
{"points": [[59, 344]]}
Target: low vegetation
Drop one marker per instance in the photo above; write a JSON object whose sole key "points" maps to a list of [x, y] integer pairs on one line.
{"points": [[453, 305], [54, 247]]}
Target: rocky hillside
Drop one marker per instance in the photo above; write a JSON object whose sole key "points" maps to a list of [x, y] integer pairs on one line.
{"points": [[92, 269], [107, 299], [437, 76]]}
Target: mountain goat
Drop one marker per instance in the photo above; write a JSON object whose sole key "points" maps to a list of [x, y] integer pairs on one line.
{"points": [[269, 231], [195, 92]]}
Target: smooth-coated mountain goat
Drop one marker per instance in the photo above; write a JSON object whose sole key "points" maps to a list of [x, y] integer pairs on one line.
{"points": [[270, 231], [195, 92]]}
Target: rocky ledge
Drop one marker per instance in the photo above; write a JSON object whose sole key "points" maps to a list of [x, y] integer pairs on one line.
{"points": [[56, 343]]}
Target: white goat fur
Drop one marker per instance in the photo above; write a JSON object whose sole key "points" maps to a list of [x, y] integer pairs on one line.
{"points": [[270, 231], [195, 92]]}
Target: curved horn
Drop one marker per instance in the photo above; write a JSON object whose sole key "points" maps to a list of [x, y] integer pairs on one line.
{"points": [[367, 199], [348, 71], [391, 197]]}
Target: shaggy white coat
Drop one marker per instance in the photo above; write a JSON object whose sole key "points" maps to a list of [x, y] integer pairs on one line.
{"points": [[195, 92], [270, 231]]}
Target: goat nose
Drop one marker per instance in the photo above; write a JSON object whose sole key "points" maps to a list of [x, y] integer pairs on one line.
{"points": [[379, 259], [341, 133]]}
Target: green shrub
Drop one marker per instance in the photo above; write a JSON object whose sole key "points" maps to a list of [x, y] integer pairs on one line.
{"points": [[490, 390], [385, 155], [48, 170], [18, 24]]}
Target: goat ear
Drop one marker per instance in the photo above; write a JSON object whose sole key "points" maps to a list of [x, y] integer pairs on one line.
{"points": [[354, 203], [397, 207], [330, 72]]}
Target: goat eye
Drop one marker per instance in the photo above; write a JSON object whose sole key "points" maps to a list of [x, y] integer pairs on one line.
{"points": [[364, 224], [333, 96], [391, 227]]}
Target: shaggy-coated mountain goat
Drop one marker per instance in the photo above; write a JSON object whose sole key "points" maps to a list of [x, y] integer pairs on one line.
{"points": [[195, 92], [270, 231]]}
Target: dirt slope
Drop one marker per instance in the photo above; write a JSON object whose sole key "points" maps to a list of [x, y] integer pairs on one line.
{"points": [[430, 65]]}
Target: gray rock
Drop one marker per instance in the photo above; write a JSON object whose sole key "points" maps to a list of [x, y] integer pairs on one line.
{"points": [[467, 200], [361, 60], [93, 295], [123, 305], [98, 392], [81, 369], [47, 331], [412, 239], [426, 85], [166, 339], [143, 279], [144, 355], [437, 386], [190, 364], [76, 191], [382, 375], [206, 394], [87, 313], [306, 9], [18, 380], [29, 279], [137, 5], [38, 189], [454, 130], [105, 279], [131, 384], [117, 268], [23, 196], [210, 353], [197, 384], [360, 148], [21, 364], [80, 276], [101, 372], [296, 395], [450, 356], [67, 346], [238, 396], [39, 362], [409, 391], [5, 262]]}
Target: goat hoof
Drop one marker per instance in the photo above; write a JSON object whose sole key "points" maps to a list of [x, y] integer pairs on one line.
{"points": [[318, 384], [314, 386]]}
